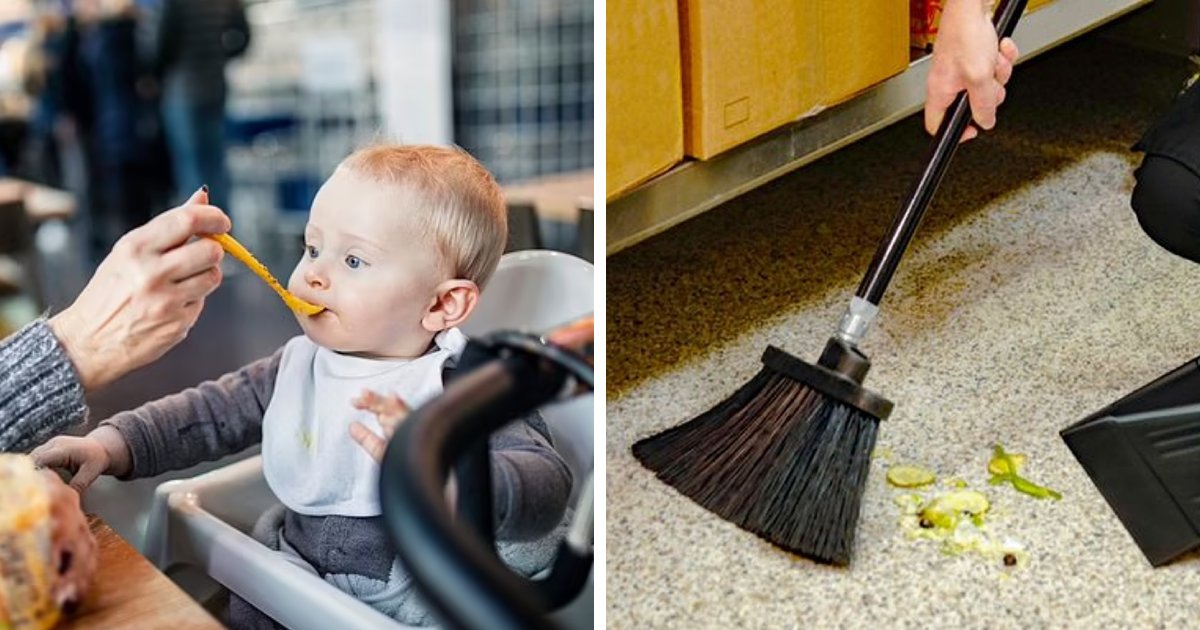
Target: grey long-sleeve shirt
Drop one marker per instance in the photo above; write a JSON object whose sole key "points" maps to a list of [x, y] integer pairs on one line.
{"points": [[531, 482], [40, 392]]}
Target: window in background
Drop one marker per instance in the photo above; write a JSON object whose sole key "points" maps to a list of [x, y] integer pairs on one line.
{"points": [[523, 85]]}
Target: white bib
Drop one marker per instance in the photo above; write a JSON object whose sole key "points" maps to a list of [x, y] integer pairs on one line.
{"points": [[309, 459]]}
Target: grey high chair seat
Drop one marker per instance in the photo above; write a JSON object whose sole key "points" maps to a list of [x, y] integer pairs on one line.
{"points": [[205, 521]]}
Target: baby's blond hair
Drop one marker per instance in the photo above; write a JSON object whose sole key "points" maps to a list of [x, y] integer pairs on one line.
{"points": [[462, 206]]}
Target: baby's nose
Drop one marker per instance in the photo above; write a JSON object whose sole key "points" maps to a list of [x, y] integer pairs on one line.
{"points": [[315, 280]]}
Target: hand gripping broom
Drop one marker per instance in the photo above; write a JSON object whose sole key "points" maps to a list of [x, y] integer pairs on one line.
{"points": [[786, 456]]}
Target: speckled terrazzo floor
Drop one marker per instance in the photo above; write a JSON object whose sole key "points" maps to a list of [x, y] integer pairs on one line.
{"points": [[1029, 299]]}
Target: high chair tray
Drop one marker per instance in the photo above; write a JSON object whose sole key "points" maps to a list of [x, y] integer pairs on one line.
{"points": [[203, 522]]}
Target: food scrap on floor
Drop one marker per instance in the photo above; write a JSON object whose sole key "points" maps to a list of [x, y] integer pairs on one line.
{"points": [[959, 519], [1005, 467]]}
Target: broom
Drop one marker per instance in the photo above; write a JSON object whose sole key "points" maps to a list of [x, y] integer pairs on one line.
{"points": [[786, 456]]}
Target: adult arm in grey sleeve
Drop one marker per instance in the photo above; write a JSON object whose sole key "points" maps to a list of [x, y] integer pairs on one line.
{"points": [[203, 423], [531, 482], [40, 392]]}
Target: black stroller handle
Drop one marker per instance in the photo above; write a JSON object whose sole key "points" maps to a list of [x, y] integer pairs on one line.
{"points": [[453, 560]]}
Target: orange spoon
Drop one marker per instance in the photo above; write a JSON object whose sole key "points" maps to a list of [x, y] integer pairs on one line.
{"points": [[235, 249]]}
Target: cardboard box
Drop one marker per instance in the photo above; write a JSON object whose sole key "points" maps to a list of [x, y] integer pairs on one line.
{"points": [[644, 92], [750, 67], [924, 16], [863, 42]]}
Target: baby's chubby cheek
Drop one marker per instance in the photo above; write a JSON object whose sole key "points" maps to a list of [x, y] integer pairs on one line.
{"points": [[323, 330], [295, 283]]}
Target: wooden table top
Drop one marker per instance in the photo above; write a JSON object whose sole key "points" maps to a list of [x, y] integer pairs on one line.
{"points": [[555, 197], [42, 203], [129, 592]]}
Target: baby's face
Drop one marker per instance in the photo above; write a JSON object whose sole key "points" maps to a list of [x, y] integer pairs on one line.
{"points": [[367, 263]]}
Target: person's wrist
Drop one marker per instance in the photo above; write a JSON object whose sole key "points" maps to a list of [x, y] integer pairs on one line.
{"points": [[984, 7], [119, 458], [65, 327]]}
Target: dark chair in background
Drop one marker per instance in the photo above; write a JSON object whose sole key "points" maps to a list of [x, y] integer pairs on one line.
{"points": [[585, 244], [523, 230]]}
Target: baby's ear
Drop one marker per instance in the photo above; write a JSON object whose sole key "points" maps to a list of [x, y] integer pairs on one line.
{"points": [[453, 303]]}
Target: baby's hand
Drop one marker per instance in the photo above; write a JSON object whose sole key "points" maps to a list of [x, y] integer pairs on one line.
{"points": [[389, 410], [82, 456], [102, 451]]}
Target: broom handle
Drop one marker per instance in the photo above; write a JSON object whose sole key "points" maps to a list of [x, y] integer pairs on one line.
{"points": [[887, 257]]}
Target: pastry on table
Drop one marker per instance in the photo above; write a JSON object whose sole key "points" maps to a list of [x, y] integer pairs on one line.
{"points": [[25, 575]]}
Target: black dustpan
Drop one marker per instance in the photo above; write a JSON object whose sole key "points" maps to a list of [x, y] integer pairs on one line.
{"points": [[1143, 454]]}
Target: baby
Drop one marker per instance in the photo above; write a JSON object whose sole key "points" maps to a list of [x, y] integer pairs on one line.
{"points": [[399, 243]]}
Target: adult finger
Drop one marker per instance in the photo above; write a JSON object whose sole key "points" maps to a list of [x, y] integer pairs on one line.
{"points": [[1008, 48], [174, 227], [198, 197], [983, 96], [199, 285], [371, 443], [1004, 69], [936, 103], [185, 317], [196, 257]]}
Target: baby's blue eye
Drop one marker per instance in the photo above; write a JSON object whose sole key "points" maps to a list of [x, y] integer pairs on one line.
{"points": [[312, 251], [353, 262]]}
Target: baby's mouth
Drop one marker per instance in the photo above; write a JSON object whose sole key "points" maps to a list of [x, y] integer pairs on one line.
{"points": [[313, 309]]}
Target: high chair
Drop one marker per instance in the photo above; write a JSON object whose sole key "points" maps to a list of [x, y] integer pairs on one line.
{"points": [[450, 550], [204, 521]]}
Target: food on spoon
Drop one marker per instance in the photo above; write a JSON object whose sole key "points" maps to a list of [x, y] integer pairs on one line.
{"points": [[235, 249]]}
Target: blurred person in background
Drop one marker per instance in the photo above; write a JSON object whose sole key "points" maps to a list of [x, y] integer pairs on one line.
{"points": [[15, 19], [53, 82], [188, 43], [123, 129]]}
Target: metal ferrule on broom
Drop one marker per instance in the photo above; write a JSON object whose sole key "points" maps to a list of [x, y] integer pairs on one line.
{"points": [[856, 321]]}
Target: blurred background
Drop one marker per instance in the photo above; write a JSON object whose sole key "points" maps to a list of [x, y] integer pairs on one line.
{"points": [[114, 110]]}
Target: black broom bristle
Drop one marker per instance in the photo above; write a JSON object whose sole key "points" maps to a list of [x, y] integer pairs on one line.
{"points": [[777, 458]]}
